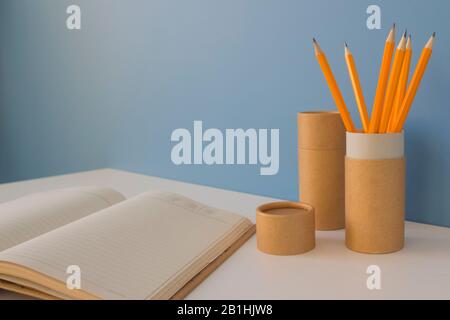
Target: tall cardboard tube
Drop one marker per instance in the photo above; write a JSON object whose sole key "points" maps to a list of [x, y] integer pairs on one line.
{"points": [[321, 153], [375, 192]]}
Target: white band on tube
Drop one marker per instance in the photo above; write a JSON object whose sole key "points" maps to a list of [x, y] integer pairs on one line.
{"points": [[375, 146]]}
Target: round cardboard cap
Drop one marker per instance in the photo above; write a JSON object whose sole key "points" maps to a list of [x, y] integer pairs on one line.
{"points": [[320, 130], [285, 228]]}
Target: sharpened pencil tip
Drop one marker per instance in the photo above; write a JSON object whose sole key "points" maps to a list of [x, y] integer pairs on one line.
{"points": [[434, 34], [393, 26], [406, 32], [316, 46], [346, 45]]}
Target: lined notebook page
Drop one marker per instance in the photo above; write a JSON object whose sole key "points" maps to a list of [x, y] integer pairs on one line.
{"points": [[30, 216], [133, 250]]}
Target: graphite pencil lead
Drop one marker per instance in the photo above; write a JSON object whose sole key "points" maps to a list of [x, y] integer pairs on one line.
{"points": [[430, 42]]}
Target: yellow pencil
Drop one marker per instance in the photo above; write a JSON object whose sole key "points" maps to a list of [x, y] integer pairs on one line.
{"points": [[359, 96], [392, 85], [414, 85], [402, 84], [334, 88], [382, 82]]}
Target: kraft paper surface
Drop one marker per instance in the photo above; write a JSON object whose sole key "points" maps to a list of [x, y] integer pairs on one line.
{"points": [[321, 141], [375, 205], [285, 228], [322, 185], [320, 130]]}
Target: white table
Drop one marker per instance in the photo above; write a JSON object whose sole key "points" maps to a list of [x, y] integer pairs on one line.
{"points": [[420, 271]]}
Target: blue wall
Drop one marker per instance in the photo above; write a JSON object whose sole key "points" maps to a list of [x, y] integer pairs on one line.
{"points": [[111, 94]]}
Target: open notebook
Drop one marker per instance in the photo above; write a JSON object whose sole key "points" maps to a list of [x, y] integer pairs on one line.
{"points": [[157, 245]]}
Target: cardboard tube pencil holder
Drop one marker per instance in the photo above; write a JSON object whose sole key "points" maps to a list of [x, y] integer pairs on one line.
{"points": [[375, 192], [321, 155]]}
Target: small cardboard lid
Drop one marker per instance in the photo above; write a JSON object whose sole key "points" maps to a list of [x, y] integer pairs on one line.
{"points": [[285, 228], [320, 130]]}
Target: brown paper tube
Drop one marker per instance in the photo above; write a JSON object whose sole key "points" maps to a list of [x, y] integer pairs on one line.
{"points": [[321, 153], [320, 130], [285, 228], [322, 184], [374, 193]]}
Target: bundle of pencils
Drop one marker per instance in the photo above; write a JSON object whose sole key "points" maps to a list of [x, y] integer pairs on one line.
{"points": [[394, 97]]}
